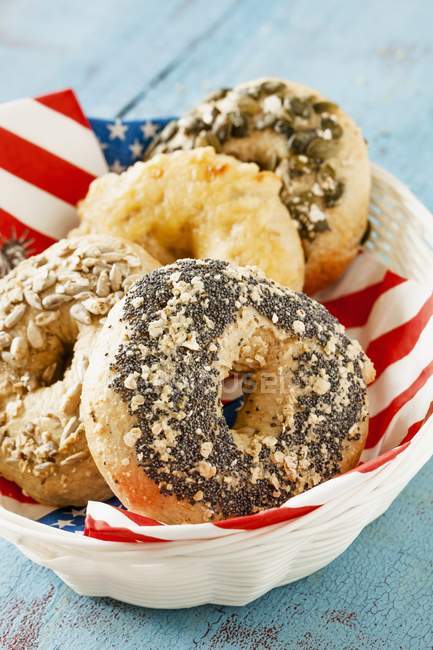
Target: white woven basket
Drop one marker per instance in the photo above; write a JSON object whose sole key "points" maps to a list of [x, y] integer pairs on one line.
{"points": [[236, 569]]}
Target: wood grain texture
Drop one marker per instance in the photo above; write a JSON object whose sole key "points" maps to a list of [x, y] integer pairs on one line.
{"points": [[147, 58]]}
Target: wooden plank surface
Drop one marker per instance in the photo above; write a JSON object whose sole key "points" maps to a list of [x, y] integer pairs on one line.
{"points": [[146, 58]]}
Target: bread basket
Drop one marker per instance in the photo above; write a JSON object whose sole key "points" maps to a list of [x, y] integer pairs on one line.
{"points": [[237, 568]]}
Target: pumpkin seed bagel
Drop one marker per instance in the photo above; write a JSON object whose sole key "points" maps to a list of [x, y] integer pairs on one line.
{"points": [[51, 308], [199, 204], [310, 143], [152, 394]]}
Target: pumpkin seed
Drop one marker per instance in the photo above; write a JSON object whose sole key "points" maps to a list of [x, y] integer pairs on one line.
{"points": [[213, 141], [334, 127], [193, 125], [299, 107], [169, 131], [265, 122], [284, 127], [332, 196], [325, 107], [239, 123], [319, 149], [248, 105], [217, 94], [272, 87], [301, 140]]}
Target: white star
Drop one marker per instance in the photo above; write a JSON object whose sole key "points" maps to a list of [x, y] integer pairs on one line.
{"points": [[149, 129], [103, 145], [117, 130], [136, 149], [78, 513], [116, 167], [62, 523]]}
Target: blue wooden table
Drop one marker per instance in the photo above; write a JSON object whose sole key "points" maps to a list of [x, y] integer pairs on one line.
{"points": [[140, 58]]}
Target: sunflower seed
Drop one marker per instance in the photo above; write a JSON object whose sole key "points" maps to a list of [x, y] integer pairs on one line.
{"points": [[16, 314], [84, 295], [71, 399], [32, 299], [73, 287], [75, 458], [44, 281], [5, 340], [96, 306], [8, 358], [46, 318], [34, 335], [91, 251], [112, 257], [39, 260], [16, 295], [19, 348], [69, 429], [115, 277], [103, 285], [90, 262], [41, 467], [54, 300], [80, 314], [48, 373], [129, 281]]}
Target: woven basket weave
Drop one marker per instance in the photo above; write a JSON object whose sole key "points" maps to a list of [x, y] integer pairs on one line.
{"points": [[235, 570]]}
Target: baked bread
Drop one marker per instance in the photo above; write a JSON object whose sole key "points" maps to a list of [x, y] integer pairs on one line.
{"points": [[316, 149], [51, 308], [151, 399], [199, 204]]}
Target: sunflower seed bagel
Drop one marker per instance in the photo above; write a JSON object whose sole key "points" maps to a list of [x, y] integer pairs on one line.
{"points": [[199, 204], [152, 394], [310, 143], [51, 309]]}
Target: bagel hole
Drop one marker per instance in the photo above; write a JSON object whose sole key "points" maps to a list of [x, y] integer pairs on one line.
{"points": [[261, 388], [63, 364]]}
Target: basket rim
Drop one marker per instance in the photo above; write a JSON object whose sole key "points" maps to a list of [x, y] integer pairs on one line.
{"points": [[20, 524]]}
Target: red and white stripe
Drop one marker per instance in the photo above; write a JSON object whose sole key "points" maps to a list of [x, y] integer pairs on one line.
{"points": [[393, 318], [48, 157], [12, 498]]}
